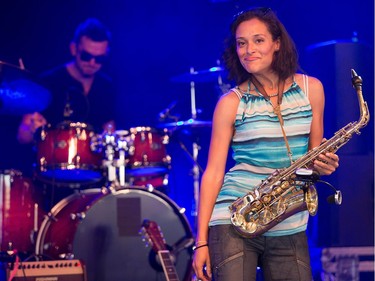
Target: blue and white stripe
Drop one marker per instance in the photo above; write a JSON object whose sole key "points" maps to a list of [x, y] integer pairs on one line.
{"points": [[259, 148]]}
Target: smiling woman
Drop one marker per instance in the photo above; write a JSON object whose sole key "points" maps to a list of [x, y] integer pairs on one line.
{"points": [[266, 132]]}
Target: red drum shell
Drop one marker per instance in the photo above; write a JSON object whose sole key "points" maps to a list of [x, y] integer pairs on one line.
{"points": [[147, 152], [21, 214], [64, 155]]}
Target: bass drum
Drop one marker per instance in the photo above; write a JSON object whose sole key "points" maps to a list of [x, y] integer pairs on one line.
{"points": [[103, 230]]}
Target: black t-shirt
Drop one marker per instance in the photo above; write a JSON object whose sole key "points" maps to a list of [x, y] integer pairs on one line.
{"points": [[68, 102]]}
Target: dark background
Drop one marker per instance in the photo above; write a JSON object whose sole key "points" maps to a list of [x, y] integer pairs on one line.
{"points": [[154, 41]]}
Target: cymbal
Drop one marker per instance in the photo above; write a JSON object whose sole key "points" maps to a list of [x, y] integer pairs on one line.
{"points": [[191, 123], [207, 75], [20, 91]]}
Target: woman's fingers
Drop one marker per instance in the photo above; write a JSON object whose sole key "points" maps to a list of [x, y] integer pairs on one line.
{"points": [[326, 163]]}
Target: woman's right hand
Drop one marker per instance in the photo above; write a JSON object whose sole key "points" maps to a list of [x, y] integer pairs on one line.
{"points": [[202, 264]]}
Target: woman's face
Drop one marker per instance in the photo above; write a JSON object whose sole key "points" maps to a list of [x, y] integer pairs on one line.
{"points": [[255, 47]]}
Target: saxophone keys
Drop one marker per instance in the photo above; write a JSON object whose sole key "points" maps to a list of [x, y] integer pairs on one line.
{"points": [[266, 198], [251, 227], [285, 184]]}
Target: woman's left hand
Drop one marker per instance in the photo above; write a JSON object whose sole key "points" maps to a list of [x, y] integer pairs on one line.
{"points": [[326, 163]]}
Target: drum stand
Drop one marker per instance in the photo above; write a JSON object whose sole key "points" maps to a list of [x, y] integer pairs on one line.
{"points": [[115, 168], [196, 168]]}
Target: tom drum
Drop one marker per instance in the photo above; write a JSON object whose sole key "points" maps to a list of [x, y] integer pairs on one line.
{"points": [[147, 153], [64, 155]]}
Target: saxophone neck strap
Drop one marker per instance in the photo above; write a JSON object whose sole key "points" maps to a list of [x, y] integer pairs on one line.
{"points": [[276, 109]]}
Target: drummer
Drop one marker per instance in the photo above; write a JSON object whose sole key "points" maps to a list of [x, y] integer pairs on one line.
{"points": [[81, 91]]}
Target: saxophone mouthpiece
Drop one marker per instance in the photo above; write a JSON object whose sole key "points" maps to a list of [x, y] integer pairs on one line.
{"points": [[356, 79]]}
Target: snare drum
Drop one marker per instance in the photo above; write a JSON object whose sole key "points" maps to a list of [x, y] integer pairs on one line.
{"points": [[64, 155], [102, 229], [20, 212], [147, 153]]}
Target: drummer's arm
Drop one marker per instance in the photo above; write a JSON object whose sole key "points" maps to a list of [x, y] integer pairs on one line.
{"points": [[29, 124]]}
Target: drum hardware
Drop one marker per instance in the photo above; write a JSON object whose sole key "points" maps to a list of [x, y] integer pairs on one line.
{"points": [[115, 146], [212, 74], [137, 156], [188, 124], [77, 216], [156, 182], [209, 75], [20, 91], [166, 113], [8, 257]]}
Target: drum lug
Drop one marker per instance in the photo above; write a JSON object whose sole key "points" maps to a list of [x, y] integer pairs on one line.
{"points": [[43, 134], [78, 216], [165, 139], [66, 256], [131, 150], [167, 159]]}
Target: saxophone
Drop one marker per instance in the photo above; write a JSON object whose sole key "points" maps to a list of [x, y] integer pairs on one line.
{"points": [[291, 190]]}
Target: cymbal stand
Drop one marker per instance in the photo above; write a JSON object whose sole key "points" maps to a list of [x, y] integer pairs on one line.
{"points": [[196, 168], [192, 97]]}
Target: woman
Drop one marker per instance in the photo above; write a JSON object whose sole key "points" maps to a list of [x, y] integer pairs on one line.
{"points": [[273, 117]]}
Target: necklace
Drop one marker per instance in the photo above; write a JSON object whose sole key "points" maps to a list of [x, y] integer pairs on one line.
{"points": [[259, 86], [273, 95], [255, 88]]}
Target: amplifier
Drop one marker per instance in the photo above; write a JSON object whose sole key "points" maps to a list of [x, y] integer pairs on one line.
{"points": [[56, 270]]}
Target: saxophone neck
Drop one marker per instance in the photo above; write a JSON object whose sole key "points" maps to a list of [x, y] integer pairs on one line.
{"points": [[364, 112]]}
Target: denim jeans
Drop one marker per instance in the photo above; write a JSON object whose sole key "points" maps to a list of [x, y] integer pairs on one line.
{"points": [[236, 258]]}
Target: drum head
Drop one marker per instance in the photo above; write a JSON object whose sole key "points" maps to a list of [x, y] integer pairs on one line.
{"points": [[109, 242]]}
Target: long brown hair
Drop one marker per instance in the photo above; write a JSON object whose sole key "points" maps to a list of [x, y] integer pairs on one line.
{"points": [[285, 61]]}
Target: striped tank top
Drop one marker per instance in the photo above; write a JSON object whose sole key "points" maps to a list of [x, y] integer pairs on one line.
{"points": [[259, 148]]}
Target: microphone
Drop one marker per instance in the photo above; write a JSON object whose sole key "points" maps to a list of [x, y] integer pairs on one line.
{"points": [[304, 174], [165, 113], [312, 176], [335, 198]]}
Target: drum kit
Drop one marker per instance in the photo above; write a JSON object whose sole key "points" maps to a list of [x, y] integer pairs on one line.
{"points": [[115, 179]]}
